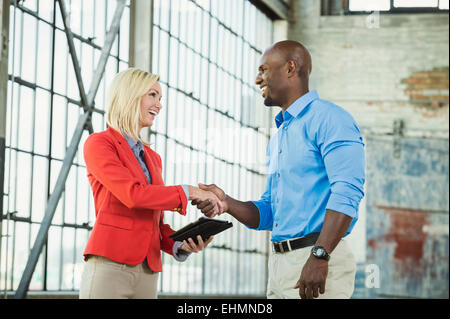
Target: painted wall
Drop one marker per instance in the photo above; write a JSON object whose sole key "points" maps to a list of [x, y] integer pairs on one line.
{"points": [[407, 216], [390, 71]]}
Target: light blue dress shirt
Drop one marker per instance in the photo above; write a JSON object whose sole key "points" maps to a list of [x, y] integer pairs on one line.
{"points": [[138, 150], [315, 162]]}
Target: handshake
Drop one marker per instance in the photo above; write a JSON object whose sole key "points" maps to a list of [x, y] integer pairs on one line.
{"points": [[210, 199]]}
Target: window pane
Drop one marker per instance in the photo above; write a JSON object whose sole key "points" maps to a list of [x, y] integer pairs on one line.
{"points": [[61, 62], [100, 21], [443, 4], [415, 3], [26, 118], [54, 259], [21, 250], [29, 48], [70, 193], [364, 5], [174, 76], [124, 35], [46, 9], [23, 196], [44, 55], [59, 127], [164, 13], [78, 265], [88, 20], [39, 190], [155, 53], [163, 57], [87, 66], [68, 246]]}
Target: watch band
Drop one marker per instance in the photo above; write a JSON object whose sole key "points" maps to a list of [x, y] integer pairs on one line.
{"points": [[320, 253]]}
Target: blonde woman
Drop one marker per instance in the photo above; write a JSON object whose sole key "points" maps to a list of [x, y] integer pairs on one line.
{"points": [[123, 253]]}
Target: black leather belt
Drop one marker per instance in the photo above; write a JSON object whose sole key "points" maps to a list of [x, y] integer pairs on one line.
{"points": [[292, 244]]}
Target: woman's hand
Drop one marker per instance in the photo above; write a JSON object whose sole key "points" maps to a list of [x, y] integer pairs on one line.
{"points": [[214, 205], [190, 246]]}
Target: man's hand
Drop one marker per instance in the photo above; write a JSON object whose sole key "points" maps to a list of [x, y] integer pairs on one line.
{"points": [[211, 202], [313, 277], [205, 206], [190, 246]]}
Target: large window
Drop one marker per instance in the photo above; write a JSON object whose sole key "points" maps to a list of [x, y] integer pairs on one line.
{"points": [[42, 110], [213, 128]]}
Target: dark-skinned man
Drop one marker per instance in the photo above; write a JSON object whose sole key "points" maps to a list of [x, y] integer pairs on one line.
{"points": [[315, 178]]}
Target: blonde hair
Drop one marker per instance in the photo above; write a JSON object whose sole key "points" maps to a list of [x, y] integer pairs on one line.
{"points": [[124, 101]]}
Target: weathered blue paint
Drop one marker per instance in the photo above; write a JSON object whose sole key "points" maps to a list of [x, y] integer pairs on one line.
{"points": [[407, 217]]}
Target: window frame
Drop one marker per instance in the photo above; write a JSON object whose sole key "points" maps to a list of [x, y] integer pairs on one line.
{"points": [[393, 10]]}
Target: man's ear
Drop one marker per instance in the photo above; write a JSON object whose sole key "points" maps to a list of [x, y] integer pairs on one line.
{"points": [[291, 68]]}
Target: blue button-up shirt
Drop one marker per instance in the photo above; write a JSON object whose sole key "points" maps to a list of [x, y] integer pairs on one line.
{"points": [[315, 162]]}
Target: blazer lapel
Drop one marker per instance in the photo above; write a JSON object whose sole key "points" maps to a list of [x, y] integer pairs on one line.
{"points": [[154, 170], [125, 149]]}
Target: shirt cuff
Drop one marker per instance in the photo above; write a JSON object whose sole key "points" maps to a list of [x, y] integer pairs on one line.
{"points": [[183, 199], [178, 254], [186, 190], [342, 204]]}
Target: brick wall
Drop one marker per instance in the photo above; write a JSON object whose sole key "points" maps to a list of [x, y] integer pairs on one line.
{"points": [[393, 68], [428, 88]]}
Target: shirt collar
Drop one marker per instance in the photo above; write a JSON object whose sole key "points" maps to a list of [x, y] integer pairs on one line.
{"points": [[134, 144], [296, 108]]}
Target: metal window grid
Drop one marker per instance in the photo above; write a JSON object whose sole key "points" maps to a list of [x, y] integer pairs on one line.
{"points": [[236, 262], [246, 249], [59, 263]]}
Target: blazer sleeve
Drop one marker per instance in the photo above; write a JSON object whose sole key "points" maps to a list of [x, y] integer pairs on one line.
{"points": [[165, 231], [102, 161]]}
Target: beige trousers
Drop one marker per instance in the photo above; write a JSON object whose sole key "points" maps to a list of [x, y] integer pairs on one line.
{"points": [[103, 278], [285, 270]]}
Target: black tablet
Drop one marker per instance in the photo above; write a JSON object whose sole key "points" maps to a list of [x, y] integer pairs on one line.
{"points": [[205, 227]]}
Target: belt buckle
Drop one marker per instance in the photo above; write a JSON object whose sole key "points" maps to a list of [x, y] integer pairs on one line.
{"points": [[289, 245], [280, 247]]}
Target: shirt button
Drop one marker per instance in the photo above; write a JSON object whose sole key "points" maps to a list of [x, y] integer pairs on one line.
{"points": [[276, 225], [278, 174], [279, 151], [278, 200], [285, 128]]}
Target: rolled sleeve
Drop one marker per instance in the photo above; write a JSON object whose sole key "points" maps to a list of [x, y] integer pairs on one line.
{"points": [[264, 206], [345, 169], [265, 215], [343, 204], [342, 149]]}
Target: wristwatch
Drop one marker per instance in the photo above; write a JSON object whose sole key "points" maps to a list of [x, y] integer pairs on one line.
{"points": [[320, 252]]}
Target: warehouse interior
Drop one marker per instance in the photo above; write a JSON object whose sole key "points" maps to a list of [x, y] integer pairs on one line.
{"points": [[386, 62]]}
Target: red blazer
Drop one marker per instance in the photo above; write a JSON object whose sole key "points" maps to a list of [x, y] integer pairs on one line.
{"points": [[129, 211]]}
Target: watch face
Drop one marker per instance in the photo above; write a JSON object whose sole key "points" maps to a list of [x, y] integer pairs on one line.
{"points": [[319, 252]]}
